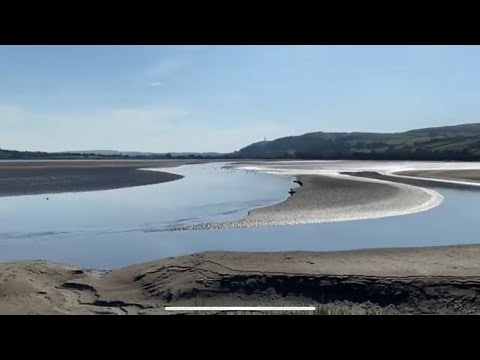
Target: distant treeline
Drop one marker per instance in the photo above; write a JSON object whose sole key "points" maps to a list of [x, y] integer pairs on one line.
{"points": [[419, 155], [448, 143], [39, 155]]}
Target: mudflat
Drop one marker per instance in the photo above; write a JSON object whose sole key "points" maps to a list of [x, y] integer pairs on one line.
{"points": [[437, 280], [472, 175], [29, 164], [323, 198], [49, 177], [422, 181]]}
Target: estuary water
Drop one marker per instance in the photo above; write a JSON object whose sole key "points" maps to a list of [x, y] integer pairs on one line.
{"points": [[115, 228]]}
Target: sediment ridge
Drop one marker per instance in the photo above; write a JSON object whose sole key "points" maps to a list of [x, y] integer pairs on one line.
{"points": [[439, 280], [335, 197]]}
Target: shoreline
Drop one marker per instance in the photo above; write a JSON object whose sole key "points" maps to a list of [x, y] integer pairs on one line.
{"points": [[434, 280], [417, 193], [430, 280], [334, 198], [398, 177], [47, 177], [460, 179]]}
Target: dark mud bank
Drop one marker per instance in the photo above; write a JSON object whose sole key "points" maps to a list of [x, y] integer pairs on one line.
{"points": [[392, 295], [34, 181]]}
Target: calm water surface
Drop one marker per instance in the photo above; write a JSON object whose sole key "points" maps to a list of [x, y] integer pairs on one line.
{"points": [[109, 229]]}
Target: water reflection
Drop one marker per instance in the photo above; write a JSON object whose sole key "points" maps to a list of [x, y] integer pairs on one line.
{"points": [[108, 229]]}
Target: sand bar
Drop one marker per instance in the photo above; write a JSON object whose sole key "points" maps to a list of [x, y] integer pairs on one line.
{"points": [[355, 190], [327, 195]]}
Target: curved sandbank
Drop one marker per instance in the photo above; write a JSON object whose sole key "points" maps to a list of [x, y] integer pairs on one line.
{"points": [[382, 188], [422, 280], [334, 198], [51, 177], [386, 188]]}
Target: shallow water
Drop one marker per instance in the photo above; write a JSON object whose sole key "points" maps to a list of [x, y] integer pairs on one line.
{"points": [[108, 229]]}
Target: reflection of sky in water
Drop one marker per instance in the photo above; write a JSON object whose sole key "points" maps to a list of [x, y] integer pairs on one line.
{"points": [[205, 194], [114, 228]]}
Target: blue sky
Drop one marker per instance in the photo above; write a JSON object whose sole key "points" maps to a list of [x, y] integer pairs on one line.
{"points": [[221, 98]]}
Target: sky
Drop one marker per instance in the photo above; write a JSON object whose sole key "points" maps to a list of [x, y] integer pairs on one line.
{"points": [[221, 98]]}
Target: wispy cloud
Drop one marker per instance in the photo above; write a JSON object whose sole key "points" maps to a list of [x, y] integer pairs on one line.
{"points": [[174, 61], [166, 68], [155, 83]]}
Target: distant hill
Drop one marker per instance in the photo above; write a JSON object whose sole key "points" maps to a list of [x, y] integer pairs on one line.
{"points": [[459, 142]]}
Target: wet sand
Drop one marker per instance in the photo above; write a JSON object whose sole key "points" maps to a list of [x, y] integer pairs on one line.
{"points": [[49, 177], [429, 182], [439, 280], [330, 198], [29, 164], [472, 175], [354, 190]]}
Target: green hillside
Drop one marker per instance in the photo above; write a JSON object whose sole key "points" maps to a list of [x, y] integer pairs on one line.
{"points": [[460, 142]]}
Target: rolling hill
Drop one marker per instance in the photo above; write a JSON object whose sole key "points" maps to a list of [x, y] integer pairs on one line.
{"points": [[459, 142]]}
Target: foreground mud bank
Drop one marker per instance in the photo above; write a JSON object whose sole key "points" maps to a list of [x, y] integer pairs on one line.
{"points": [[441, 280]]}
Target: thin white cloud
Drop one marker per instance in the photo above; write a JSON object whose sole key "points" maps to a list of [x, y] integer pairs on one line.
{"points": [[177, 59], [166, 68], [163, 70], [155, 83]]}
